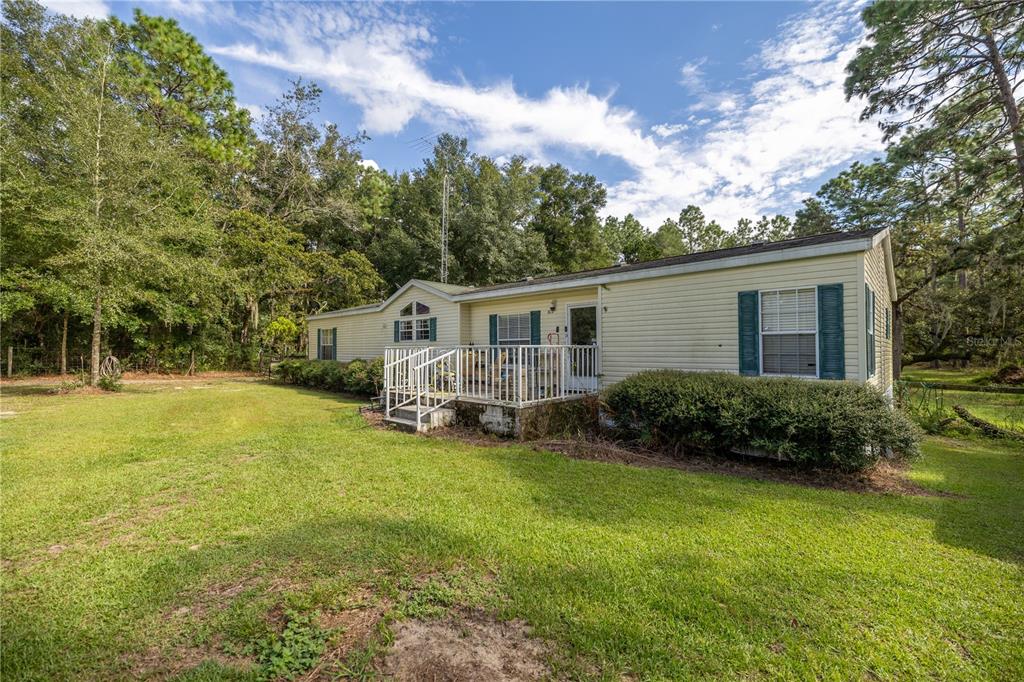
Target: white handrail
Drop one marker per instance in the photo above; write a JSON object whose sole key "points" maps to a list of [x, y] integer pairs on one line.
{"points": [[509, 375]]}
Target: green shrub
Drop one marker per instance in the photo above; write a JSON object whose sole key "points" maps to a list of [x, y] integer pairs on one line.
{"points": [[110, 382], [358, 377], [832, 424]]}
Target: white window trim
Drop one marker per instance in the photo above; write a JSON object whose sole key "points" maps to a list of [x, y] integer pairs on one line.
{"points": [[873, 342], [326, 341], [415, 306], [760, 334], [519, 340], [413, 328], [414, 321]]}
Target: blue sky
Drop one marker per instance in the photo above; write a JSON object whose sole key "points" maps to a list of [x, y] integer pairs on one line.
{"points": [[735, 107]]}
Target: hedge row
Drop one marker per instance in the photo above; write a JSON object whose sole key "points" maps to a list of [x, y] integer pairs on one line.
{"points": [[358, 377], [837, 424]]}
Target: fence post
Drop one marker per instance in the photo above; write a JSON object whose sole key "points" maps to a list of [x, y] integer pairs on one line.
{"points": [[10, 361]]}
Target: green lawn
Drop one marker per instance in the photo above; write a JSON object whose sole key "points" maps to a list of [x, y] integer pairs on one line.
{"points": [[174, 518], [947, 375], [1003, 409]]}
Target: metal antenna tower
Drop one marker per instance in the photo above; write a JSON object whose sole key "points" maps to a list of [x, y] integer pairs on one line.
{"points": [[445, 190]]}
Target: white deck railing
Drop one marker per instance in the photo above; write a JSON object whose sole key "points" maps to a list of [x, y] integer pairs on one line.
{"points": [[430, 377]]}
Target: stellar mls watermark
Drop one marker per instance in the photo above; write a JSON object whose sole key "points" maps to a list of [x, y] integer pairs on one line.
{"points": [[992, 341]]}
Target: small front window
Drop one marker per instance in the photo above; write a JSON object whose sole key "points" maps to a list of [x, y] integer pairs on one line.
{"points": [[514, 330], [789, 332], [414, 308], [413, 323], [326, 344]]}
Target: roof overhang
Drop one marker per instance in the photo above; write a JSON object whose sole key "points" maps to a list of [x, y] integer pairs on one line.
{"points": [[795, 253], [885, 239]]}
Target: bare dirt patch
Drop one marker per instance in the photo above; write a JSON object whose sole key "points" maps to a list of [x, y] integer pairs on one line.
{"points": [[162, 664], [132, 376], [466, 646], [355, 626]]}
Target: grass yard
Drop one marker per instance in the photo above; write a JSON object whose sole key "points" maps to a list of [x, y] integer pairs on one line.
{"points": [[1003, 409], [947, 375], [174, 522]]}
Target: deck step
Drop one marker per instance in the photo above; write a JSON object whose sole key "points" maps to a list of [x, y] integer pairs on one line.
{"points": [[409, 425], [405, 419]]}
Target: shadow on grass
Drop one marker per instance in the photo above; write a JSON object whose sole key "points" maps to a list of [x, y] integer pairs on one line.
{"points": [[990, 519], [986, 515], [21, 390], [671, 609]]}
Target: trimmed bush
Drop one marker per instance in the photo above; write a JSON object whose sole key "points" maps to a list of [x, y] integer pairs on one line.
{"points": [[837, 424], [359, 377]]}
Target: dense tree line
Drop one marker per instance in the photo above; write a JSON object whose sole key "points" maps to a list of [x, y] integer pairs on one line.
{"points": [[145, 214]]}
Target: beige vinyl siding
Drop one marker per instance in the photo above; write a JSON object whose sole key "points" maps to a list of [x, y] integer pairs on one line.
{"points": [[877, 279], [365, 335], [476, 314], [689, 321]]}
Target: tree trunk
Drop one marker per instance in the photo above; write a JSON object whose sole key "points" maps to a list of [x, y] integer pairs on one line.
{"points": [[897, 340], [1008, 101], [97, 316], [64, 346]]}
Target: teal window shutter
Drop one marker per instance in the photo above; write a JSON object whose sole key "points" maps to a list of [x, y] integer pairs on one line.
{"points": [[334, 344], [750, 333], [493, 326], [433, 329], [319, 345], [535, 327], [831, 333], [397, 332]]}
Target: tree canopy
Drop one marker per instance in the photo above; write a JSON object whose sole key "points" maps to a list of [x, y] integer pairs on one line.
{"points": [[147, 215]]}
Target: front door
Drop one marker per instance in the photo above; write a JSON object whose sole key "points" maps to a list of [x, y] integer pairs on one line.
{"points": [[581, 326]]}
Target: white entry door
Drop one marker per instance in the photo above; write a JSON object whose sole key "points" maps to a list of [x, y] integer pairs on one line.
{"points": [[581, 327]]}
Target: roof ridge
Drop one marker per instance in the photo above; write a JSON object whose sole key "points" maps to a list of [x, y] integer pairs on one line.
{"points": [[821, 237]]}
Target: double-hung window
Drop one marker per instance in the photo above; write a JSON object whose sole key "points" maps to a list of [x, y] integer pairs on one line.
{"points": [[514, 329], [412, 327], [422, 329], [789, 332], [870, 324], [327, 344]]}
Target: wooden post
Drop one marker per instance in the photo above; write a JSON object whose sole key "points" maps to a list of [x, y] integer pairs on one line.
{"points": [[10, 361]]}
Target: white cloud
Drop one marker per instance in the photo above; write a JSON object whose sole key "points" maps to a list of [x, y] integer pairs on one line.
{"points": [[208, 11], [369, 163], [669, 129], [691, 74], [791, 124], [80, 9]]}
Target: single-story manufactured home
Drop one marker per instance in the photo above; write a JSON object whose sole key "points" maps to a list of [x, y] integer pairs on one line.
{"points": [[817, 307]]}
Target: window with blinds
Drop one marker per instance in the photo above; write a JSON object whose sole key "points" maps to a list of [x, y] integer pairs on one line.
{"points": [[789, 332], [327, 344], [514, 330]]}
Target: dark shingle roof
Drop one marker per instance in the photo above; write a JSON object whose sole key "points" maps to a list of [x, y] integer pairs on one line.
{"points": [[763, 247]]}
